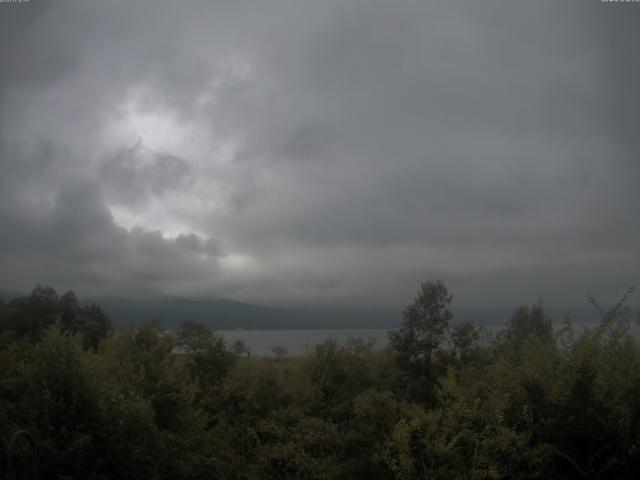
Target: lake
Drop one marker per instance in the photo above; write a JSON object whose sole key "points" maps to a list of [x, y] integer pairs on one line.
{"points": [[297, 341]]}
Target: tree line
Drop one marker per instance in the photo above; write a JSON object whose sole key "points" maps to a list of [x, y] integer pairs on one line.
{"points": [[444, 399]]}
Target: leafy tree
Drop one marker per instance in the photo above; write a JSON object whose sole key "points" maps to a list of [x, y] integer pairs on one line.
{"points": [[528, 322], [211, 364], [209, 357], [297, 446], [464, 342], [280, 351], [69, 307], [418, 341], [194, 336], [30, 317], [92, 323], [240, 348]]}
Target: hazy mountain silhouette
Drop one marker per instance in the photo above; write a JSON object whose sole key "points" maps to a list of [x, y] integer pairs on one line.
{"points": [[228, 314]]}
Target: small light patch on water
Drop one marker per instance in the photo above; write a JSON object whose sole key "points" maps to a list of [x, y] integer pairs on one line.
{"points": [[261, 342]]}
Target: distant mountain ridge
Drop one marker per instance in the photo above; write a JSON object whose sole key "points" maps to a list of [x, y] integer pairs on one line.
{"points": [[224, 314]]}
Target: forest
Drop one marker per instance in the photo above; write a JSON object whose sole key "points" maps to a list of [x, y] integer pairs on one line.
{"points": [[444, 400]]}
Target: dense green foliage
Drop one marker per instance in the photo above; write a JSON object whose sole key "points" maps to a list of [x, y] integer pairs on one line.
{"points": [[443, 401]]}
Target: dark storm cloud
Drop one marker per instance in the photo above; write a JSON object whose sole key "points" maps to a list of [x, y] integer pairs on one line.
{"points": [[76, 244], [337, 151]]}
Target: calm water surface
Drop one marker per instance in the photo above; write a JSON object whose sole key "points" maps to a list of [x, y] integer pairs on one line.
{"points": [[298, 341]]}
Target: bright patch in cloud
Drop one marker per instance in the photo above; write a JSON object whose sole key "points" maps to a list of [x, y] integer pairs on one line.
{"points": [[141, 119], [238, 262]]}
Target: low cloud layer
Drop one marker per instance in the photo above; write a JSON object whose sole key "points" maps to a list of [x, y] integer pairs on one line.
{"points": [[321, 152]]}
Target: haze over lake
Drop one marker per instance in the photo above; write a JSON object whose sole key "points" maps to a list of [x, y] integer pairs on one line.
{"points": [[298, 342]]}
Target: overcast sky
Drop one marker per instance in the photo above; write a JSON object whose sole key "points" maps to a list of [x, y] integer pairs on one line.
{"points": [[328, 152]]}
